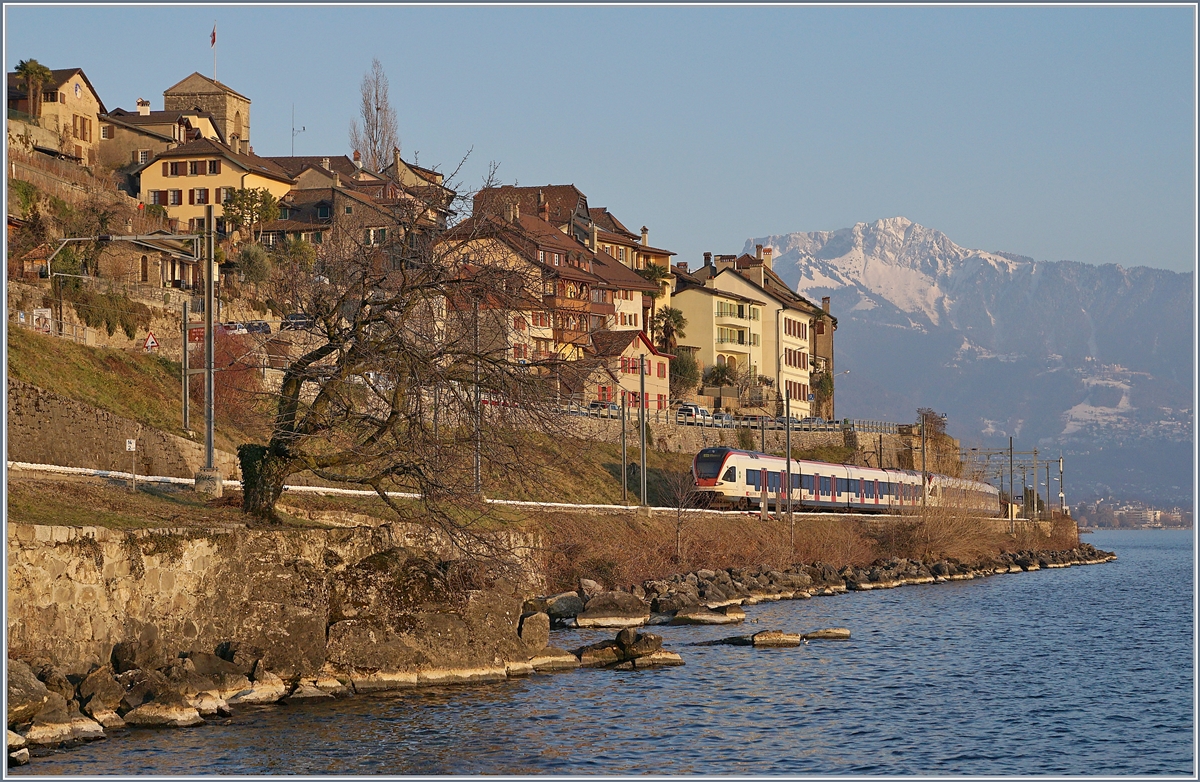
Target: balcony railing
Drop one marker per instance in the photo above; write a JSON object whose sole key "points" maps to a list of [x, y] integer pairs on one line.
{"points": [[21, 116]]}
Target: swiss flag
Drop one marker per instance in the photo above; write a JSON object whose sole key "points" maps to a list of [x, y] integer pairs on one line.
{"points": [[213, 38]]}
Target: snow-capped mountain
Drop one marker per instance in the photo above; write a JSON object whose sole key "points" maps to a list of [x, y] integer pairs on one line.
{"points": [[1095, 360]]}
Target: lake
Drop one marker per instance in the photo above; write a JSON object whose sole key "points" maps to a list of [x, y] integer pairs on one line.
{"points": [[1081, 670]]}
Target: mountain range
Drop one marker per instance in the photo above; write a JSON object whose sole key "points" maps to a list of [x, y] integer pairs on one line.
{"points": [[1095, 361]]}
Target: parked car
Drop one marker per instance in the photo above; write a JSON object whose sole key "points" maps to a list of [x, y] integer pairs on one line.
{"points": [[813, 423], [297, 321], [782, 422], [258, 327], [234, 328], [722, 420], [694, 415], [756, 421], [604, 409]]}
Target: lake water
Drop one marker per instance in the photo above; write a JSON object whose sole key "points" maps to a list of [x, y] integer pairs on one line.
{"points": [[1082, 670]]}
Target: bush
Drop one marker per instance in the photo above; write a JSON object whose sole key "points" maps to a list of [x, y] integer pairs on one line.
{"points": [[254, 263]]}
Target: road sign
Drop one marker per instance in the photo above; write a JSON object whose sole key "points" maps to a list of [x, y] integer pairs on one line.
{"points": [[811, 397], [151, 342], [42, 319], [130, 445], [196, 334]]}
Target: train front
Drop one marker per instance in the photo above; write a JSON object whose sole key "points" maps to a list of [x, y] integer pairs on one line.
{"points": [[706, 472]]}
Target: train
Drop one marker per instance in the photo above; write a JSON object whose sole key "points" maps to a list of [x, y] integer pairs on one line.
{"points": [[734, 478]]}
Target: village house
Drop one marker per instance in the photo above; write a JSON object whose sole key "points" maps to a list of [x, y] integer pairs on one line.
{"points": [[66, 121], [622, 355], [185, 179], [129, 139]]}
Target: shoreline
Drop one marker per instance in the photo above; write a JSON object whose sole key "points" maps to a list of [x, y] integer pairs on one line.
{"points": [[201, 686]]}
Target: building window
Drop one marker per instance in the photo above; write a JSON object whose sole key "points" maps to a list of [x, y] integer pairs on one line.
{"points": [[820, 327], [158, 197], [199, 195], [519, 323], [194, 167], [621, 254], [662, 369], [541, 256], [175, 197], [322, 212], [556, 259], [349, 210], [50, 97], [318, 237], [106, 131], [214, 166], [175, 169]]}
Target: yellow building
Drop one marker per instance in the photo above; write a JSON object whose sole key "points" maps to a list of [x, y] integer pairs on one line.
{"points": [[69, 108], [185, 179], [723, 328]]}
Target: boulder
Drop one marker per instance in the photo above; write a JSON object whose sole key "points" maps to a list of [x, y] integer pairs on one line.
{"points": [[266, 688], [613, 609], [172, 713], [703, 615], [56, 681], [144, 653], [59, 721], [634, 644], [18, 757], [307, 689], [589, 589], [774, 639], [207, 664], [553, 659], [658, 659], [208, 704], [599, 654], [534, 630], [143, 687], [100, 690], [671, 603], [15, 741], [828, 634], [242, 655], [26, 693]]}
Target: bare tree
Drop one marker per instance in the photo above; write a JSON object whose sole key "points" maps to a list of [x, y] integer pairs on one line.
{"points": [[680, 492], [378, 134], [404, 381]]}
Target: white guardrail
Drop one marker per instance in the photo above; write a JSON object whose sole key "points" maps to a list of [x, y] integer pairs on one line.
{"points": [[118, 475]]}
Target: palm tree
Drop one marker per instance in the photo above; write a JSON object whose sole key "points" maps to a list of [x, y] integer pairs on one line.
{"points": [[668, 324], [35, 75]]}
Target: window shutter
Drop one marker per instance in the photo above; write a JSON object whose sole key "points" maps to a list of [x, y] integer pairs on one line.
{"points": [[217, 170], [192, 196], [166, 168]]}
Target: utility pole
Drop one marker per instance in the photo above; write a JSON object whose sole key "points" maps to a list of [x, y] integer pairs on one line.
{"points": [[1047, 503], [924, 474], [478, 408], [762, 429], [208, 480], [624, 449], [787, 412], [1062, 502], [642, 418], [187, 423], [1012, 525], [1036, 515]]}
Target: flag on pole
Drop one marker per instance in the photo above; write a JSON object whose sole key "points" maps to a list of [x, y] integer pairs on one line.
{"points": [[213, 38]]}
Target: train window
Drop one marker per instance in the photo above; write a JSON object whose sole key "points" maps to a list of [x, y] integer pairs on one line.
{"points": [[840, 483], [853, 485], [826, 486], [708, 465], [730, 475], [773, 481], [752, 477], [806, 482], [797, 481], [869, 489]]}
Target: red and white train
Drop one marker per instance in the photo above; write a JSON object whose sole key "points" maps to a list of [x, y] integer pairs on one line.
{"points": [[734, 478]]}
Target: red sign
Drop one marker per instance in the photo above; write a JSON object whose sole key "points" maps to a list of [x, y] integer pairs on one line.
{"points": [[196, 334]]}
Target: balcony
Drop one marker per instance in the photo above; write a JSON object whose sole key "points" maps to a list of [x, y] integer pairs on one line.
{"points": [[562, 303]]}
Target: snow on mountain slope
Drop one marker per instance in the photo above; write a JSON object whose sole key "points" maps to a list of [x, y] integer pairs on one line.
{"points": [[1005, 344]]}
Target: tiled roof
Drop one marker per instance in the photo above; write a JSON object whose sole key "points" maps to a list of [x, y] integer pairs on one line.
{"points": [[561, 200], [132, 118], [614, 343], [619, 276], [608, 222], [205, 146], [58, 77], [293, 165]]}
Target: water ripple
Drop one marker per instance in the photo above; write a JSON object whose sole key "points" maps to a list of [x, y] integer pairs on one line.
{"points": [[1083, 670]]}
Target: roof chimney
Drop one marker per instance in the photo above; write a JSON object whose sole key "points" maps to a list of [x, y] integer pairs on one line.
{"points": [[825, 303], [516, 207], [357, 159], [645, 236], [543, 207], [767, 255], [325, 163], [595, 238], [396, 163], [708, 259], [682, 266], [758, 251], [143, 107]]}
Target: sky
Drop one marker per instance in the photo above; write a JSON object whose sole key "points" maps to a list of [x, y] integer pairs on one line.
{"points": [[1051, 132]]}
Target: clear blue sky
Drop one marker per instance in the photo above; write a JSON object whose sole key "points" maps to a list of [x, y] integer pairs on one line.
{"points": [[1058, 133]]}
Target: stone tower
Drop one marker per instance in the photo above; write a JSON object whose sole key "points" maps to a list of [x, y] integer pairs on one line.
{"points": [[230, 109]]}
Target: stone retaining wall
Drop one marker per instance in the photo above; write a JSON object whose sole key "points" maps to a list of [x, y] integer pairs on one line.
{"points": [[46, 428], [75, 592]]}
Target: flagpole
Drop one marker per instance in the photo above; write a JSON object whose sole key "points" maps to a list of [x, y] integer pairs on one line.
{"points": [[214, 48]]}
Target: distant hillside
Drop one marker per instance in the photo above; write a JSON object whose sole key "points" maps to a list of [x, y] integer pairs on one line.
{"points": [[1093, 360]]}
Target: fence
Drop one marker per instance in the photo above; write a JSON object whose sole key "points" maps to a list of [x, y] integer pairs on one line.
{"points": [[48, 325]]}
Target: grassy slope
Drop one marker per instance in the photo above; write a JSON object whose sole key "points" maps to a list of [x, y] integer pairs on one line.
{"points": [[138, 386]]}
